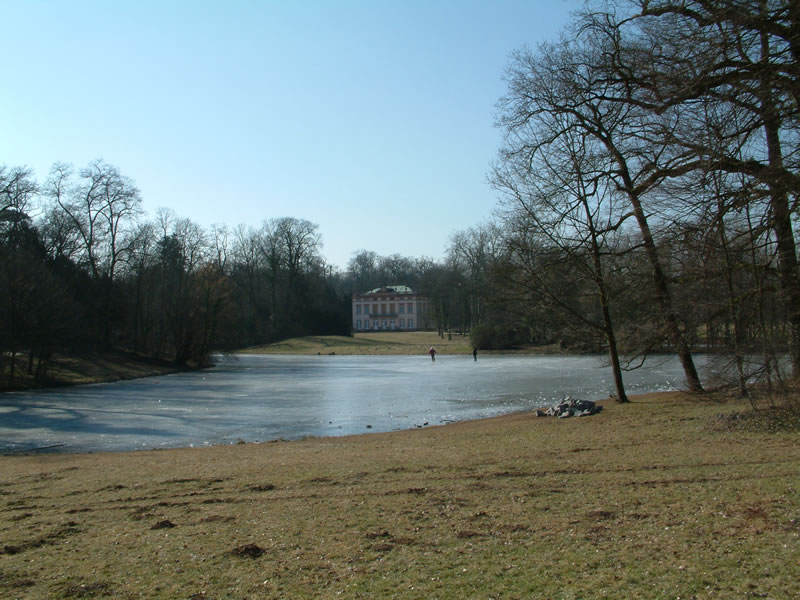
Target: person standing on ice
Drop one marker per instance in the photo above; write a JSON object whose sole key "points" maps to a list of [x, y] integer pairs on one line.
{"points": [[432, 352]]}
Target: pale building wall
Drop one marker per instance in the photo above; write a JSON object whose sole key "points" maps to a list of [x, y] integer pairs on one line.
{"points": [[387, 310]]}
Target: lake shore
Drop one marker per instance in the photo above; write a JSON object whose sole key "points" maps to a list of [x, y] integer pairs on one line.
{"points": [[95, 367], [650, 499], [254, 398]]}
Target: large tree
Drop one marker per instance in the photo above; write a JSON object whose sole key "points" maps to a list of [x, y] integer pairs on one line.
{"points": [[719, 82], [561, 203], [565, 90], [37, 315], [474, 252], [100, 205]]}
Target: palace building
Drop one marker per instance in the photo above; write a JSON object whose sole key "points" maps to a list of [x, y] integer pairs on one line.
{"points": [[394, 307]]}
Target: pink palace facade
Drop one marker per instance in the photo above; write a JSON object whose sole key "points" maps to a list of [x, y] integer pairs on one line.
{"points": [[394, 307]]}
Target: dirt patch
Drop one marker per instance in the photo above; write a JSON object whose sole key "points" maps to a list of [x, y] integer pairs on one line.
{"points": [[165, 524], [248, 551]]}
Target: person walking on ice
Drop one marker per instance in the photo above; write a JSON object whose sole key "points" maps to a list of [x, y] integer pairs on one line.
{"points": [[432, 352]]}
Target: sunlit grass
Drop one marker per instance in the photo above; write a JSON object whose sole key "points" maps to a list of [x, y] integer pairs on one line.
{"points": [[386, 343], [372, 343]]}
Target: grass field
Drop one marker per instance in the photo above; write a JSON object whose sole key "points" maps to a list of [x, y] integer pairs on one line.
{"points": [[385, 342], [654, 499]]}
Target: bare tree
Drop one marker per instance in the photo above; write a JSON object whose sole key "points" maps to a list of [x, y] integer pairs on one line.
{"points": [[100, 206], [474, 251], [18, 188], [566, 87], [394, 269], [563, 198], [290, 249], [36, 314], [62, 241], [140, 275], [220, 235], [301, 244], [723, 75]]}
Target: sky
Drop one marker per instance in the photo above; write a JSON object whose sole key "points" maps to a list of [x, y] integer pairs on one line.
{"points": [[372, 119]]}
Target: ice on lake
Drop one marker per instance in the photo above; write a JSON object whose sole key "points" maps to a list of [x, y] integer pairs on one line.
{"points": [[264, 397]]}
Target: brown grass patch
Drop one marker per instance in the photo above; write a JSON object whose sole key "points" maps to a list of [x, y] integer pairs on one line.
{"points": [[372, 343]]}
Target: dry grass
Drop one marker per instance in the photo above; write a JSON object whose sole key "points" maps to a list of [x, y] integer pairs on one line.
{"points": [[372, 343], [384, 342], [645, 500]]}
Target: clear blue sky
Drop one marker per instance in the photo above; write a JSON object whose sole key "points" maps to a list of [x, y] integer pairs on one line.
{"points": [[372, 119]]}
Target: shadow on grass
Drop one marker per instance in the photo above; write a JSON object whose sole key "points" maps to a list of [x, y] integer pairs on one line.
{"points": [[114, 365]]}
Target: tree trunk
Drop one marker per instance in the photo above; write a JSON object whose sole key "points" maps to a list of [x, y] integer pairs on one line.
{"points": [[613, 354], [611, 338], [733, 310], [781, 215], [664, 298]]}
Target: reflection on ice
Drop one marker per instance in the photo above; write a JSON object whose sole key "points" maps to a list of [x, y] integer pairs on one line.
{"points": [[258, 398]]}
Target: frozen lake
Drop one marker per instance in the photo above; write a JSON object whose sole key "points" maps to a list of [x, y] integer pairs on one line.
{"points": [[260, 398]]}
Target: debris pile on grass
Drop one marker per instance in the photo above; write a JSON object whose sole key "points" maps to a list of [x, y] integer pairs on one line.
{"points": [[570, 407]]}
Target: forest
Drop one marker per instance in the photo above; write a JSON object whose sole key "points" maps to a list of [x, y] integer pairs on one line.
{"points": [[647, 188]]}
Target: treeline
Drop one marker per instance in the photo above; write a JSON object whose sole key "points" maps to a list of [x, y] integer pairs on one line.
{"points": [[81, 269], [649, 187]]}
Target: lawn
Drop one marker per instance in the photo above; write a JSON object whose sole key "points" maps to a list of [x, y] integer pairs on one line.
{"points": [[655, 499], [384, 342]]}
